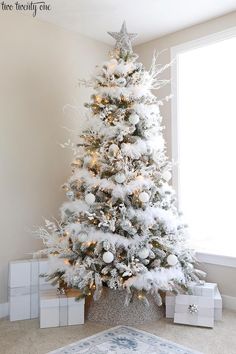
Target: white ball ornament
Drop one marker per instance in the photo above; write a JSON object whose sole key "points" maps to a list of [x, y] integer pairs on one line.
{"points": [[172, 260], [82, 236], [143, 253], [120, 177], [108, 257], [113, 149], [90, 198], [134, 118], [121, 81], [144, 197], [167, 176], [70, 195]]}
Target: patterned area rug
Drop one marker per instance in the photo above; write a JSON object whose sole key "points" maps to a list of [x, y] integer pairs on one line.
{"points": [[124, 340]]}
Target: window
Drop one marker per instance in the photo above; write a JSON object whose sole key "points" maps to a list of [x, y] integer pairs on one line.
{"points": [[204, 140]]}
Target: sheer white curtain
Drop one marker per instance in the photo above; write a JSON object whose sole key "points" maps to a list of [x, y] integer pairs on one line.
{"points": [[206, 113]]}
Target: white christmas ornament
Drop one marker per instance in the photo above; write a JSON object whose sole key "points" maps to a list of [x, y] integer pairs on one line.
{"points": [[172, 260], [120, 177], [113, 149], [167, 176], [143, 253], [106, 245], [134, 118], [70, 194], [144, 197], [90, 198], [108, 257], [121, 81], [83, 236]]}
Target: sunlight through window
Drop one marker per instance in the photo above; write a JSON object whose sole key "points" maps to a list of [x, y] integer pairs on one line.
{"points": [[207, 145]]}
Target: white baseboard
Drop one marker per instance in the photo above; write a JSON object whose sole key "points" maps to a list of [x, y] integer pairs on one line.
{"points": [[229, 302], [4, 310]]}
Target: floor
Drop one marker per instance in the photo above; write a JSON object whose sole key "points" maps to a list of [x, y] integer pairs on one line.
{"points": [[25, 337]]}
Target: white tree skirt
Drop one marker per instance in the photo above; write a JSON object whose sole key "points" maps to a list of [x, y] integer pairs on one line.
{"points": [[110, 309]]}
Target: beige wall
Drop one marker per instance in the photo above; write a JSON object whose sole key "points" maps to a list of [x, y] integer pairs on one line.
{"points": [[39, 68], [224, 276]]}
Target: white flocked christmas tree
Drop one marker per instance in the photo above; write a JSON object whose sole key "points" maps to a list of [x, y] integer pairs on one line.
{"points": [[120, 228]]}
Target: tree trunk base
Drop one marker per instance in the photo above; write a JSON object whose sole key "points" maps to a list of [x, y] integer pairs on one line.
{"points": [[111, 310]]}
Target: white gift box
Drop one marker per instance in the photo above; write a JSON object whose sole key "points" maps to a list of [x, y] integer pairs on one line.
{"points": [[24, 286], [170, 302], [60, 310], [170, 305], [217, 306], [194, 310], [205, 289]]}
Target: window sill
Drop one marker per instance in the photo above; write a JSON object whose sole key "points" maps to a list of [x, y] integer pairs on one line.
{"points": [[216, 259]]}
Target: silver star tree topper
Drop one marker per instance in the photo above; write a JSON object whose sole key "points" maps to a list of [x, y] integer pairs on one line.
{"points": [[123, 38]]}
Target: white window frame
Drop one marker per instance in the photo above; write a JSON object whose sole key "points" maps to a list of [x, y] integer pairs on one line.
{"points": [[175, 51]]}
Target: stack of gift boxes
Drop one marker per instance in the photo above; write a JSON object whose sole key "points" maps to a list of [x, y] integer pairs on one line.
{"points": [[201, 307], [31, 296]]}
